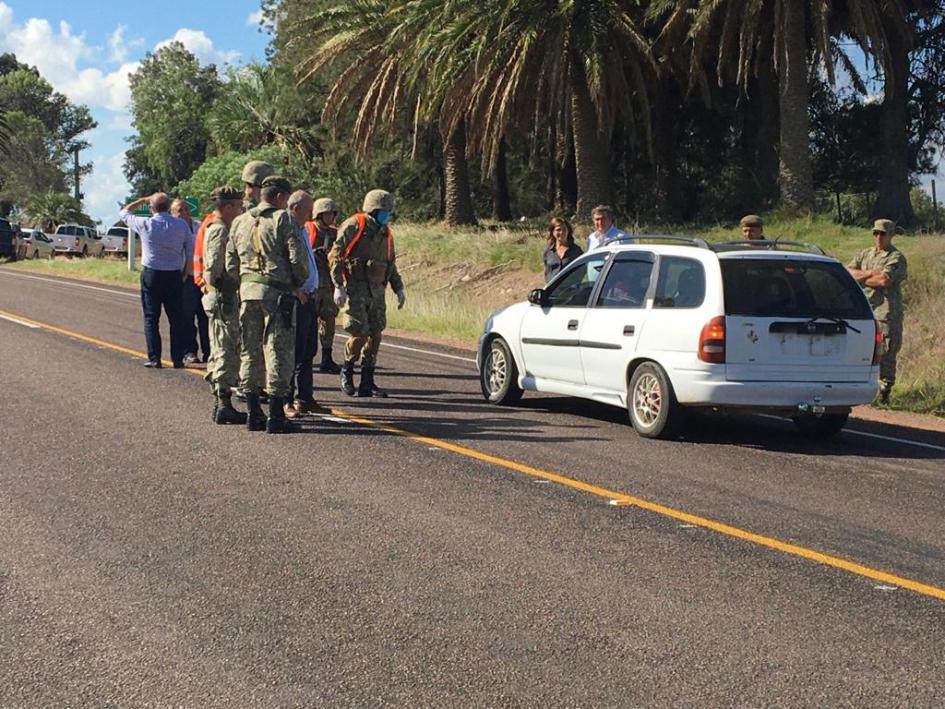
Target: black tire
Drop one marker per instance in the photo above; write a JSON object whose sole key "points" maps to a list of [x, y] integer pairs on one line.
{"points": [[85, 252], [651, 403], [498, 376], [820, 427]]}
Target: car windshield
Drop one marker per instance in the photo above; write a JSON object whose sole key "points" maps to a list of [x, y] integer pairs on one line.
{"points": [[117, 231], [792, 288]]}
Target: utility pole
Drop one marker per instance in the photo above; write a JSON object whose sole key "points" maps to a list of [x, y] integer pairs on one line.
{"points": [[77, 193]]}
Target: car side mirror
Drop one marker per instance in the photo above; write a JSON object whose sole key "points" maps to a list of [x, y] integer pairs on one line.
{"points": [[537, 297]]}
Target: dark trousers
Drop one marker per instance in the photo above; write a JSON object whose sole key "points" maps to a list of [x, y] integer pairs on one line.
{"points": [[162, 289], [306, 344], [193, 312]]}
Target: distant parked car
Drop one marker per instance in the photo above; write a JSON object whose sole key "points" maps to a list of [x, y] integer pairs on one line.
{"points": [[115, 241], [35, 244], [78, 240], [9, 241]]}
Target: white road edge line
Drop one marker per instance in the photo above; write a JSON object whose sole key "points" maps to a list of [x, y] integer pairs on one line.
{"points": [[61, 282], [30, 325], [892, 439]]}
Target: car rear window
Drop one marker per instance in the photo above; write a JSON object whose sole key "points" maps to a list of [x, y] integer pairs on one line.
{"points": [[117, 231], [792, 288]]}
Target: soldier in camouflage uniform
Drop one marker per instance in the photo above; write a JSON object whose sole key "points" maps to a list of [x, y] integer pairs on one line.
{"points": [[265, 251], [221, 302], [363, 262], [880, 270], [325, 233], [254, 172]]}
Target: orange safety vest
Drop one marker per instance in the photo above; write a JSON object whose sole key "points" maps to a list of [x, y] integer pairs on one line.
{"points": [[198, 250], [312, 232], [361, 220]]}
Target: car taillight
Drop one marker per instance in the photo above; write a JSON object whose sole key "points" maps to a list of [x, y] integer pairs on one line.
{"points": [[878, 347], [712, 341]]}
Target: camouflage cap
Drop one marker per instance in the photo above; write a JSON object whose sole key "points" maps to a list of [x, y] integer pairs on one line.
{"points": [[887, 226], [225, 193], [278, 183], [324, 205], [752, 220], [378, 199], [255, 171]]}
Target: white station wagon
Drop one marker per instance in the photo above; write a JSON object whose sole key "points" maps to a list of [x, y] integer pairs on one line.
{"points": [[662, 324]]}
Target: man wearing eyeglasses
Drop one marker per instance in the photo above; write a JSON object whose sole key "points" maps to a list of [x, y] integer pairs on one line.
{"points": [[881, 269]]}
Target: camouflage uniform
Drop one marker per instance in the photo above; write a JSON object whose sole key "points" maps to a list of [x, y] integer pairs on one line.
{"points": [[264, 250], [327, 310], [221, 302], [887, 304], [362, 263]]}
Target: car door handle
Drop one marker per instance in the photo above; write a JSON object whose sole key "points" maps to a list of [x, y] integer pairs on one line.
{"points": [[629, 329], [572, 324]]}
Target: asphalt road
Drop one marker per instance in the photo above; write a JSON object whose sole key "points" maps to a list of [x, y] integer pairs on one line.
{"points": [[151, 558]]}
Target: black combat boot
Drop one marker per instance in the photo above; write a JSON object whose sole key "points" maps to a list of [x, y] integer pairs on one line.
{"points": [[884, 395], [255, 417], [277, 422], [328, 365], [367, 387], [347, 378], [226, 414], [216, 408]]}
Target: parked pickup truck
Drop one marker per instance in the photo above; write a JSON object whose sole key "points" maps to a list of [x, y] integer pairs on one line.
{"points": [[78, 240], [115, 241]]}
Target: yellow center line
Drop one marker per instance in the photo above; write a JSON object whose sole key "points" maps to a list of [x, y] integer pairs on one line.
{"points": [[612, 496]]}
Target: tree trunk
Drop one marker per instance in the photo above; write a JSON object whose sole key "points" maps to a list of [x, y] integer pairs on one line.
{"points": [[760, 135], [501, 201], [666, 107], [459, 209], [795, 174], [591, 150], [892, 192]]}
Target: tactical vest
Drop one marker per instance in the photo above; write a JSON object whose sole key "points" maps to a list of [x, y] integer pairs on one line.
{"points": [[373, 272], [198, 250]]}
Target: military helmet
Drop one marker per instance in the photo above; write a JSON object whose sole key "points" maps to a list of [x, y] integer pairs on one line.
{"points": [[225, 193], [752, 220], [324, 205], [278, 183], [255, 171], [887, 226], [378, 199]]}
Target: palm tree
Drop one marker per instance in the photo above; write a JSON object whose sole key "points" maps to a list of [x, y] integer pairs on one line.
{"points": [[247, 115], [383, 84], [506, 68], [53, 208], [737, 32]]}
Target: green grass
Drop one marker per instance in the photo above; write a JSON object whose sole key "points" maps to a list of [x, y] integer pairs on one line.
{"points": [[100, 270], [456, 277]]}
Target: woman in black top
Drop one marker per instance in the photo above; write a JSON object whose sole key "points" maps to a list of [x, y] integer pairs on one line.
{"points": [[561, 247]]}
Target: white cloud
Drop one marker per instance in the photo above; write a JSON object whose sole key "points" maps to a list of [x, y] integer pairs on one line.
{"points": [[118, 45], [254, 18], [105, 187], [201, 46], [56, 52]]}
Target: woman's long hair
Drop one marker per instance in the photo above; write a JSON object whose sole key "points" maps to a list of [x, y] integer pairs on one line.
{"points": [[559, 221]]}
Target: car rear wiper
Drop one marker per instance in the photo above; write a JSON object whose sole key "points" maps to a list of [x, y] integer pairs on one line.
{"points": [[836, 321]]}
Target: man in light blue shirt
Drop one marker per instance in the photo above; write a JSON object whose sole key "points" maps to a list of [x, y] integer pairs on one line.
{"points": [[164, 263], [301, 399], [604, 229]]}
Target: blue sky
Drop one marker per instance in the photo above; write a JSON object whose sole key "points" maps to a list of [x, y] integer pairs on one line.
{"points": [[87, 49]]}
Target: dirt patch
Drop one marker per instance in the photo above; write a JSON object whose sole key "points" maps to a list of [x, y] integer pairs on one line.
{"points": [[921, 422], [504, 281]]}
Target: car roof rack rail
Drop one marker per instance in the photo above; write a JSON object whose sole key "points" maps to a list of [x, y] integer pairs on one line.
{"points": [[637, 238], [767, 245]]}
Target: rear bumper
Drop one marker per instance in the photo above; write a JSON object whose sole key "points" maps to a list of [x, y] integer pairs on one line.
{"points": [[705, 389]]}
